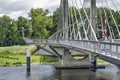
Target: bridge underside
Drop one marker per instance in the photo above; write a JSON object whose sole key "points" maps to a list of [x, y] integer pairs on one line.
{"points": [[68, 60], [99, 55]]}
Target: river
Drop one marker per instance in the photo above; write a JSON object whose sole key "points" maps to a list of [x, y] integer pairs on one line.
{"points": [[48, 72]]}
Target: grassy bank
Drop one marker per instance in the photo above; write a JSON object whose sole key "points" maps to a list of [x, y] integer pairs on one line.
{"points": [[80, 57], [17, 49], [16, 56]]}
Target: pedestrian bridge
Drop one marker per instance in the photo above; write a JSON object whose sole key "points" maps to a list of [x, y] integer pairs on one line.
{"points": [[105, 50], [87, 29]]}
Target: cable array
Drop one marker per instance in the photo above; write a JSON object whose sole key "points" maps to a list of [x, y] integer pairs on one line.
{"points": [[79, 20]]}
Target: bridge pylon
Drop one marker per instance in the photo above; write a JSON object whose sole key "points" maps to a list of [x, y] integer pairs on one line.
{"points": [[93, 20], [64, 11]]}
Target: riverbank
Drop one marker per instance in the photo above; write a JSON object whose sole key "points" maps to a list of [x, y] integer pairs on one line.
{"points": [[16, 56], [19, 59]]}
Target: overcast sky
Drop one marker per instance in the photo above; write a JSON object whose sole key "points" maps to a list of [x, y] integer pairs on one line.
{"points": [[15, 8]]}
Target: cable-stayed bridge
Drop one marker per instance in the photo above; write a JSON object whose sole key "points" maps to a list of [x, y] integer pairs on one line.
{"points": [[91, 27]]}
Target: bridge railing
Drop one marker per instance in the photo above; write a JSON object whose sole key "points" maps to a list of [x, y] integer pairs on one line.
{"points": [[105, 48]]}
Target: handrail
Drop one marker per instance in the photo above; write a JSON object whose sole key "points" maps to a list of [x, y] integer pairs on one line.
{"points": [[104, 48]]}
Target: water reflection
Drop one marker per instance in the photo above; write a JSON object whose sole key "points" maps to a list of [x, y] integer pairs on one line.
{"points": [[110, 73], [118, 75], [42, 72], [78, 75]]}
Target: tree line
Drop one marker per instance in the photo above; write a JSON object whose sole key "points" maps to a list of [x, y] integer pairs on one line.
{"points": [[39, 25]]}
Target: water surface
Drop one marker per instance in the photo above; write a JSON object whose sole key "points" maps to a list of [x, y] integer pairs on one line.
{"points": [[48, 72]]}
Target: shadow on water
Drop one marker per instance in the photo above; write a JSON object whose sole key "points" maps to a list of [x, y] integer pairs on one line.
{"points": [[78, 75], [118, 75], [28, 74]]}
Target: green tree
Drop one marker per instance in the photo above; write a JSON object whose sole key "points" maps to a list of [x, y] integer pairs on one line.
{"points": [[56, 21], [100, 15], [8, 31], [25, 25], [41, 22]]}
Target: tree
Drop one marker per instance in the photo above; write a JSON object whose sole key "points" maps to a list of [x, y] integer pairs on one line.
{"points": [[24, 23], [100, 15], [8, 31], [56, 21], [41, 22]]}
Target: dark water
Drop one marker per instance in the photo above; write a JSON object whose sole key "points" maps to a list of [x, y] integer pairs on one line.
{"points": [[48, 72]]}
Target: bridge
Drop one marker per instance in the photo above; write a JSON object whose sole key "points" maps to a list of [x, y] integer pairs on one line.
{"points": [[88, 27]]}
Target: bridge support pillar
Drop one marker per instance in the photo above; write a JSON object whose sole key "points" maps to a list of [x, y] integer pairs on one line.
{"points": [[118, 75], [68, 60], [118, 72], [118, 66], [93, 60], [94, 67]]}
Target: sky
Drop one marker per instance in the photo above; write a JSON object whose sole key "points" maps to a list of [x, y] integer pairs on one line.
{"points": [[16, 8]]}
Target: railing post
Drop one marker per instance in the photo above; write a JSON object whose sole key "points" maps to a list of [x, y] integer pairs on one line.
{"points": [[110, 49], [117, 51], [90, 46], [94, 46], [85, 44], [82, 43], [99, 46], [105, 48]]}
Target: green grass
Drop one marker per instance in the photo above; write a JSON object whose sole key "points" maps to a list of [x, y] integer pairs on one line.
{"points": [[17, 49], [98, 60], [16, 56], [19, 59]]}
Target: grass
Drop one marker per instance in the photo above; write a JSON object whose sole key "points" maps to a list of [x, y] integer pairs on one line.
{"points": [[17, 49], [16, 56], [19, 59], [98, 60]]}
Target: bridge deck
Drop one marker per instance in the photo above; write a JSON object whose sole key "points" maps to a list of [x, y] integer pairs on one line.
{"points": [[106, 50]]}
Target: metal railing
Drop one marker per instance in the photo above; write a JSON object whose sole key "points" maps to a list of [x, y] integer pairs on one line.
{"points": [[104, 48]]}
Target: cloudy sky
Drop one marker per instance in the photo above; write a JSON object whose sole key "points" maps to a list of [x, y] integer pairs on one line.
{"points": [[15, 8]]}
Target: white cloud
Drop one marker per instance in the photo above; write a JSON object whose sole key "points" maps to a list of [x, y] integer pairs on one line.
{"points": [[46, 4], [15, 8], [16, 14]]}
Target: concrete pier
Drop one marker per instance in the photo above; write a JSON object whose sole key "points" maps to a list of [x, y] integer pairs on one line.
{"points": [[68, 60]]}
